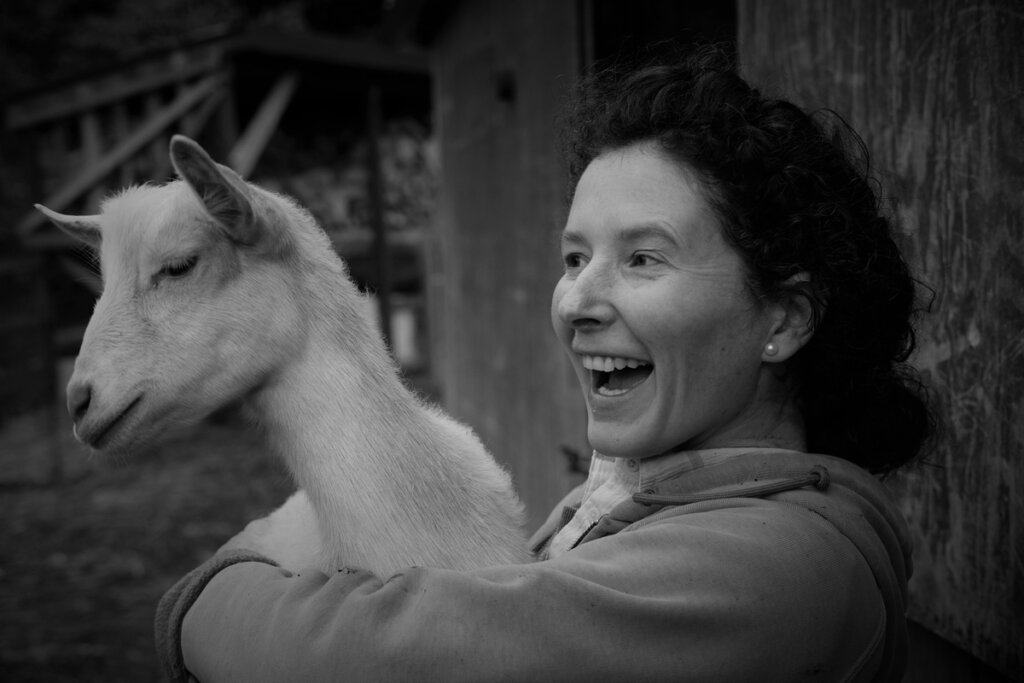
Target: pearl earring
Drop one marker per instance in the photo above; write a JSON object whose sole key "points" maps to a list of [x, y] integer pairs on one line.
{"points": [[770, 349]]}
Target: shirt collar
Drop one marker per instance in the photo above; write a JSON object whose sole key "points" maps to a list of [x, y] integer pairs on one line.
{"points": [[638, 474], [612, 480]]}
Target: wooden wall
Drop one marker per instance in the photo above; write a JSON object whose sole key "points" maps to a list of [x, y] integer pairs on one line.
{"points": [[501, 69], [26, 372], [936, 87]]}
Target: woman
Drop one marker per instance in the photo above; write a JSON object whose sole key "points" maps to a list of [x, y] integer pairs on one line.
{"points": [[734, 305]]}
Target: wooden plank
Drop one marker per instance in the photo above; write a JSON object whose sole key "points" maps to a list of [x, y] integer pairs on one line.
{"points": [[254, 139], [196, 121], [935, 88], [126, 82], [492, 258], [119, 131], [337, 51], [375, 196], [92, 145], [142, 136], [157, 163], [226, 124]]}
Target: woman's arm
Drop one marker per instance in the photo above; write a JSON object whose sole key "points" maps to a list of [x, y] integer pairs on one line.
{"points": [[755, 591]]}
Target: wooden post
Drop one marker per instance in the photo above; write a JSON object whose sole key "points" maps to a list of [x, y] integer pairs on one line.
{"points": [[376, 196], [934, 87], [226, 118], [95, 172], [119, 131], [92, 149], [500, 74], [160, 165], [250, 146]]}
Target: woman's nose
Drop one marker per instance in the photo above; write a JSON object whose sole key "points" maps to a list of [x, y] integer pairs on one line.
{"points": [[585, 302]]}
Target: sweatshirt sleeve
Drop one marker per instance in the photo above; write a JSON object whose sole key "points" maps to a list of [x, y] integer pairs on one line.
{"points": [[751, 591]]}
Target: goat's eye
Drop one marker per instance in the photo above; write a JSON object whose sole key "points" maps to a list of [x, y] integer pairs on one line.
{"points": [[179, 267]]}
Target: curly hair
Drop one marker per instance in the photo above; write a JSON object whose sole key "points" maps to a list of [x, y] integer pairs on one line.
{"points": [[793, 194]]}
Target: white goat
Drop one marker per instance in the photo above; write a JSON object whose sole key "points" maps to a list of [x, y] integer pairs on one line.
{"points": [[217, 291]]}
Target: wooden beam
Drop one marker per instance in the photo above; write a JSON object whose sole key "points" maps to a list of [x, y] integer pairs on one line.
{"points": [[250, 145], [120, 129], [336, 51], [382, 256], [196, 121], [399, 23], [92, 148], [71, 99], [149, 130], [156, 154]]}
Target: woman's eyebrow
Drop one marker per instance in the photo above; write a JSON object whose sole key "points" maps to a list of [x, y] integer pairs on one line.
{"points": [[659, 232], [650, 232], [571, 238]]}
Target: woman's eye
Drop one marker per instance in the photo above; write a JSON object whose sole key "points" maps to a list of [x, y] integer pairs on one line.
{"points": [[573, 261], [642, 259], [179, 268]]}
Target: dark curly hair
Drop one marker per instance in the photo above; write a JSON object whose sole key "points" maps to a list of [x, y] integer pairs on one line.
{"points": [[793, 193]]}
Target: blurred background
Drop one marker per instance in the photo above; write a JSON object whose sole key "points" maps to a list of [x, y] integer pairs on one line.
{"points": [[422, 136]]}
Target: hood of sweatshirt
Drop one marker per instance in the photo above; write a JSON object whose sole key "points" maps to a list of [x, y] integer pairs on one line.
{"points": [[853, 500]]}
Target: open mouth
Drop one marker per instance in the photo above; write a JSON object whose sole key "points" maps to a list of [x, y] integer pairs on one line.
{"points": [[615, 376]]}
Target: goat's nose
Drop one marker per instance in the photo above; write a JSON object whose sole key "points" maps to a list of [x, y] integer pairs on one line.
{"points": [[79, 397]]}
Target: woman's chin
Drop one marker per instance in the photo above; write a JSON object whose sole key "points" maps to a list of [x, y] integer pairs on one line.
{"points": [[617, 440]]}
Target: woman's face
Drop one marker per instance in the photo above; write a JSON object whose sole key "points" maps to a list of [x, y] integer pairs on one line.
{"points": [[665, 336]]}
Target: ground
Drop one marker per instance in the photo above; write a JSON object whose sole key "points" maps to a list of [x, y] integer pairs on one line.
{"points": [[84, 557]]}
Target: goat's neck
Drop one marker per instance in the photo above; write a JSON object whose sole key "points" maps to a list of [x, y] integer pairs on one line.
{"points": [[354, 438]]}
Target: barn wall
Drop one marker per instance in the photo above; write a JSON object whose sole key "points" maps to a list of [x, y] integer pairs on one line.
{"points": [[936, 87], [26, 372], [501, 69]]}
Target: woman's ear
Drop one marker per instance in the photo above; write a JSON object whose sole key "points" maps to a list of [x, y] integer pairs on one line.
{"points": [[794, 319]]}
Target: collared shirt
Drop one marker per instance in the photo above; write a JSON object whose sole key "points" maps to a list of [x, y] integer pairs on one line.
{"points": [[612, 480]]}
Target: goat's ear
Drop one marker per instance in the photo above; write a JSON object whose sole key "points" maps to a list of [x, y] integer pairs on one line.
{"points": [[82, 228], [222, 191]]}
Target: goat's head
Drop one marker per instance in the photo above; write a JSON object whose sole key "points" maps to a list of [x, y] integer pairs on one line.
{"points": [[199, 307]]}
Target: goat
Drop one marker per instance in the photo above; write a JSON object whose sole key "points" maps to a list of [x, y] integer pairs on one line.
{"points": [[217, 292]]}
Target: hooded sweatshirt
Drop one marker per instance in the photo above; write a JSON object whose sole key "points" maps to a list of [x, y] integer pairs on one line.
{"points": [[759, 565]]}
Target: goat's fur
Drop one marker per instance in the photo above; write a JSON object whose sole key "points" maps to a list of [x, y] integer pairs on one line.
{"points": [[217, 291]]}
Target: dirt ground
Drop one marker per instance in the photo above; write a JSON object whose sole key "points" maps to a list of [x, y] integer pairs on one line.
{"points": [[84, 561]]}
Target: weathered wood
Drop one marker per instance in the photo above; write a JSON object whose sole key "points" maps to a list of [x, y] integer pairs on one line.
{"points": [[142, 136], [87, 94], [375, 197], [25, 360], [501, 71], [937, 89], [120, 127], [92, 149], [197, 119], [155, 155], [254, 139], [330, 50]]}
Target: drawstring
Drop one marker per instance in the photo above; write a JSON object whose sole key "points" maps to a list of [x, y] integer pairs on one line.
{"points": [[818, 477]]}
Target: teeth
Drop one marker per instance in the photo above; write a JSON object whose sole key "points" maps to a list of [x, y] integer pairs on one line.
{"points": [[610, 363]]}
